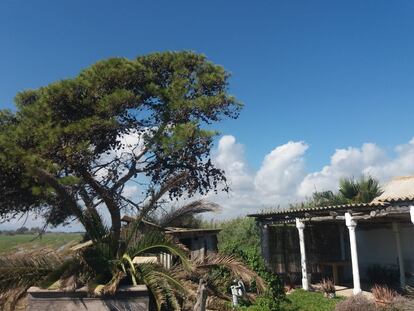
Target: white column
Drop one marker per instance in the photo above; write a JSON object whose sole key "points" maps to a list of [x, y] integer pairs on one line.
{"points": [[396, 229], [351, 224], [412, 213], [301, 226], [265, 245]]}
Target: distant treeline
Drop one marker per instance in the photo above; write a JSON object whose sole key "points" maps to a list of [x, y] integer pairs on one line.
{"points": [[30, 231]]}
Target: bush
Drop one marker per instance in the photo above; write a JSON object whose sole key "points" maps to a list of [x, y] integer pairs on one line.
{"points": [[384, 294], [240, 237], [356, 303], [327, 286]]}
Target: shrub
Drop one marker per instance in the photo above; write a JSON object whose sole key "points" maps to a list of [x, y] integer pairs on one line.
{"points": [[356, 303], [384, 294], [400, 304], [328, 286], [240, 237]]}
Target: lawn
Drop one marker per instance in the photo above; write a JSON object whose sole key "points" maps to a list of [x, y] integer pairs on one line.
{"points": [[301, 300], [10, 243]]}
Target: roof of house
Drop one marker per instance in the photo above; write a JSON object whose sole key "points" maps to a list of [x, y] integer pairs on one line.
{"points": [[397, 190], [280, 213]]}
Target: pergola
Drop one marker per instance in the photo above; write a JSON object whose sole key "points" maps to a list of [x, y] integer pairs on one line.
{"points": [[395, 206]]}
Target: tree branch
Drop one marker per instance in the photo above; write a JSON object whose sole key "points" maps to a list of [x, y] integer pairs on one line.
{"points": [[68, 200]]}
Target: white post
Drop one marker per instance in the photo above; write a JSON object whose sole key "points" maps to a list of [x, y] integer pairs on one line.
{"points": [[396, 229], [265, 245], [301, 226], [351, 224], [412, 213]]}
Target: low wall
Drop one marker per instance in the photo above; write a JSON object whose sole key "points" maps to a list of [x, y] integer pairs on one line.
{"points": [[127, 298]]}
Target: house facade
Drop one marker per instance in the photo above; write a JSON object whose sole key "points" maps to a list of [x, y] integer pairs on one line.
{"points": [[353, 244]]}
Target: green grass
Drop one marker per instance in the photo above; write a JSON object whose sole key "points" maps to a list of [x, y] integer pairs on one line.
{"points": [[301, 300], [11, 243]]}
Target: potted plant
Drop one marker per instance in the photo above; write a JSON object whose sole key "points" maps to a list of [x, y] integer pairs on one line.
{"points": [[124, 135], [328, 288]]}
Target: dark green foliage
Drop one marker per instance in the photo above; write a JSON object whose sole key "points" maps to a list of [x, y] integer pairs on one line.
{"points": [[240, 237], [62, 153], [363, 190]]}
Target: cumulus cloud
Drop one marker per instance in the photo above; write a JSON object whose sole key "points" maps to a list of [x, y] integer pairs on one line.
{"points": [[283, 177], [344, 162], [281, 170]]}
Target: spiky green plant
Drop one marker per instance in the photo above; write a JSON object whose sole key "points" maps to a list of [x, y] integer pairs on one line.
{"points": [[363, 190], [102, 266], [97, 265]]}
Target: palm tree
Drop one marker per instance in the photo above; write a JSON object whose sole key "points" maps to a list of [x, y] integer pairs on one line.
{"points": [[96, 264], [363, 190]]}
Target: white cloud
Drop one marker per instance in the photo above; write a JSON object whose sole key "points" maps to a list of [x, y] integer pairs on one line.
{"points": [[344, 163], [283, 177], [230, 157], [281, 170]]}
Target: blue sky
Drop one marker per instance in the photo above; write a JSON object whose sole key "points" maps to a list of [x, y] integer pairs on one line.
{"points": [[331, 73], [327, 85]]}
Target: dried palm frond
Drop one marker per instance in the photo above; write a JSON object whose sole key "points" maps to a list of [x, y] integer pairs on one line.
{"points": [[111, 287], [173, 217], [215, 303], [235, 266], [20, 271]]}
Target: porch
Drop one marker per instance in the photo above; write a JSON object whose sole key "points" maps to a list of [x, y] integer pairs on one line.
{"points": [[349, 244]]}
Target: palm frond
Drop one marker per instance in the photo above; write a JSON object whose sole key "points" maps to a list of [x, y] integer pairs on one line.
{"points": [[235, 266], [173, 217], [111, 287], [18, 272], [163, 285], [349, 188], [363, 190], [156, 242]]}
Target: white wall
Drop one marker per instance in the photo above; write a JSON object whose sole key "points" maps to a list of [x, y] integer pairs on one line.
{"points": [[377, 246]]}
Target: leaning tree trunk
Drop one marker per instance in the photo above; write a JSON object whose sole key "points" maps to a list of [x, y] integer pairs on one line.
{"points": [[201, 296]]}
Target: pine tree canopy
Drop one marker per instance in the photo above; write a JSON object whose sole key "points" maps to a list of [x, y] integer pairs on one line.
{"points": [[71, 147]]}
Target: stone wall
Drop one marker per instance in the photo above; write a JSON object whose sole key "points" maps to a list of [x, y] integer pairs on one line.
{"points": [[127, 298]]}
